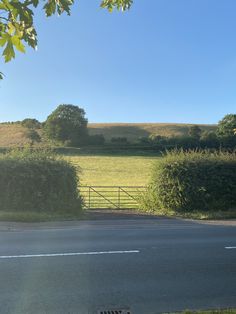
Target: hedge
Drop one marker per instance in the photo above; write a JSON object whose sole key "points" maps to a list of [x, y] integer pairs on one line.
{"points": [[188, 181], [37, 181]]}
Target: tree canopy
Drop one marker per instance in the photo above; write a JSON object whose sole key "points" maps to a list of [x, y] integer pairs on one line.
{"points": [[17, 21], [32, 135], [227, 126], [67, 124], [195, 132], [31, 123]]}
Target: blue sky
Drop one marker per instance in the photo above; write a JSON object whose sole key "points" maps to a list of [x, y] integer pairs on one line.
{"points": [[163, 61]]}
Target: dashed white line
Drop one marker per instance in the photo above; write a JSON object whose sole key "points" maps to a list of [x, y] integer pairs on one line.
{"points": [[67, 254], [230, 247]]}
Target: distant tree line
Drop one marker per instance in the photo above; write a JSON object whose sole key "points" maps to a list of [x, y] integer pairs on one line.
{"points": [[67, 126], [223, 137]]}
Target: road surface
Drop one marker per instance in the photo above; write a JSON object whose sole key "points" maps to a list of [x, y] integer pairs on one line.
{"points": [[147, 265]]}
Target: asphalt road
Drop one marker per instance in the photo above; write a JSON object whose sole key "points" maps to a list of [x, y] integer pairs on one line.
{"points": [[148, 265]]}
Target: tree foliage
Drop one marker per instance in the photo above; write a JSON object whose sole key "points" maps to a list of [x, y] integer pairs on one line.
{"points": [[67, 124], [195, 132], [31, 123], [17, 21], [227, 126], [33, 136]]}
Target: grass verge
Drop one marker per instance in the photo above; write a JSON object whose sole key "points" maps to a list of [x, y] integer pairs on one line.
{"points": [[27, 216], [198, 215], [217, 215], [223, 311]]}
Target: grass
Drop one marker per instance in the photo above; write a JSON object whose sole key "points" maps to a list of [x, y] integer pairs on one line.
{"points": [[27, 216], [197, 214], [211, 215], [12, 135], [223, 311], [114, 170]]}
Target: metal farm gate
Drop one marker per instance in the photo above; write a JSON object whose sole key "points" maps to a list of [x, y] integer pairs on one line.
{"points": [[111, 196]]}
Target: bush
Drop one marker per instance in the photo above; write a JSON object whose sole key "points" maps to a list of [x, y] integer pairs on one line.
{"points": [[31, 123], [36, 180], [188, 181], [144, 140], [97, 139], [119, 140], [33, 136], [209, 139]]}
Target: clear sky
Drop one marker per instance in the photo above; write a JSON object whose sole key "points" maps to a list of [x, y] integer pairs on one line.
{"points": [[163, 61]]}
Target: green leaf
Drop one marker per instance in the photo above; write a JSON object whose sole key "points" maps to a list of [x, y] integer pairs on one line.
{"points": [[118, 4], [3, 41], [1, 76], [9, 52], [18, 44], [50, 8], [35, 3]]}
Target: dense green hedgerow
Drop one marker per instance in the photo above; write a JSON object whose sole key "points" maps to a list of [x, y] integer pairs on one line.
{"points": [[37, 181], [189, 181]]}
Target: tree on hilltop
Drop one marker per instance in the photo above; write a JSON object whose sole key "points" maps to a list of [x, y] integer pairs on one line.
{"points": [[31, 123], [227, 126], [67, 124], [195, 132]]}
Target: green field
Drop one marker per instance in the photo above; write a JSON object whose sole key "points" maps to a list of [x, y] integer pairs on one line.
{"points": [[114, 170], [111, 171]]}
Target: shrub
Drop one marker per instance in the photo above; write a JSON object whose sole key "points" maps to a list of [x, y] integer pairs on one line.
{"points": [[157, 139], [144, 140], [37, 180], [119, 140], [97, 139], [195, 132], [33, 136], [209, 139], [188, 181], [31, 123]]}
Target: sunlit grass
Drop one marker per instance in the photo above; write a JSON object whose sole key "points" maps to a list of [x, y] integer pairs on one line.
{"points": [[114, 170]]}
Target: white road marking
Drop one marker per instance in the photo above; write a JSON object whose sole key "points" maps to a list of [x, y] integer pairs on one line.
{"points": [[230, 247], [67, 254]]}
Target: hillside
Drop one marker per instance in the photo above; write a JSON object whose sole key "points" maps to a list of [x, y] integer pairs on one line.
{"points": [[135, 130], [13, 134]]}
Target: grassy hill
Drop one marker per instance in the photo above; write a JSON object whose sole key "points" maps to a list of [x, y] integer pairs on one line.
{"points": [[135, 130], [13, 134]]}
